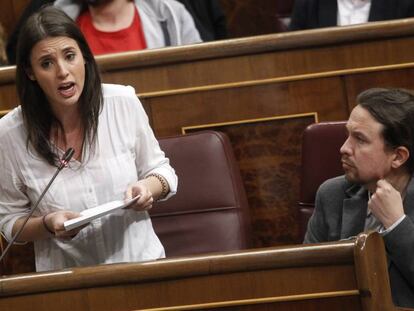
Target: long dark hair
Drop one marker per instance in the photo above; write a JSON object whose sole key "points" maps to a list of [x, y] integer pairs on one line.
{"points": [[37, 114], [394, 109]]}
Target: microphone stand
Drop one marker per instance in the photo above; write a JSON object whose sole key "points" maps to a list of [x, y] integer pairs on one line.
{"points": [[63, 163]]}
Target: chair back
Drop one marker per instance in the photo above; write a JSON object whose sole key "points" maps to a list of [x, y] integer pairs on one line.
{"points": [[321, 160], [209, 213]]}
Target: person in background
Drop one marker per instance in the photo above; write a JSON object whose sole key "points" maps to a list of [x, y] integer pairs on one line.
{"points": [[112, 26], [64, 104], [377, 191], [124, 25], [309, 14], [209, 18]]}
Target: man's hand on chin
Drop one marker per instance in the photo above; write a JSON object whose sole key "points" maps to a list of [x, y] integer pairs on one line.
{"points": [[386, 203]]}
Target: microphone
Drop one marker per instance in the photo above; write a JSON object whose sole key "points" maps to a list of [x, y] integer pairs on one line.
{"points": [[63, 163]]}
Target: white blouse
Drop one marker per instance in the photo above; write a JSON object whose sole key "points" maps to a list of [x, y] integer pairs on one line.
{"points": [[126, 151]]}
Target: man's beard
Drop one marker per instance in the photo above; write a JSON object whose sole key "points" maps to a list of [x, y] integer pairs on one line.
{"points": [[351, 179]]}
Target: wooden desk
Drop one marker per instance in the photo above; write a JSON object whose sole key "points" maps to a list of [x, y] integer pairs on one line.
{"points": [[349, 275]]}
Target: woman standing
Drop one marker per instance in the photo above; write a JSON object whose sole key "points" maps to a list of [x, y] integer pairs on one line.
{"points": [[63, 104]]}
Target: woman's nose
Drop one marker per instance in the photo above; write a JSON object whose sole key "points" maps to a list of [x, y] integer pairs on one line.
{"points": [[62, 71]]}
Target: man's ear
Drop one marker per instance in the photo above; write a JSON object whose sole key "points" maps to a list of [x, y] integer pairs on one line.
{"points": [[30, 74], [401, 155]]}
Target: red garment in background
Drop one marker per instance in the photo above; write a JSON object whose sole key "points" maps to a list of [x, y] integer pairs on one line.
{"points": [[101, 42]]}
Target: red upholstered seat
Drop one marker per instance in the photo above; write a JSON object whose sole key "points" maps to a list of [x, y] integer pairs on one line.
{"points": [[209, 213], [321, 160]]}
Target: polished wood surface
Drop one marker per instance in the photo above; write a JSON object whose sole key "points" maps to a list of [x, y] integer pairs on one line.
{"points": [[10, 13], [252, 58], [374, 287], [350, 275]]}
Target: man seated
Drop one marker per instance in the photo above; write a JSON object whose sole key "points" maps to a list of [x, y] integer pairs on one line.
{"points": [[377, 191], [309, 14]]}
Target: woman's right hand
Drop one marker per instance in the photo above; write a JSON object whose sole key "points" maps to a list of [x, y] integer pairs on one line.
{"points": [[54, 222]]}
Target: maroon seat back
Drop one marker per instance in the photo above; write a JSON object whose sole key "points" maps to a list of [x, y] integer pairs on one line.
{"points": [[209, 213], [321, 160]]}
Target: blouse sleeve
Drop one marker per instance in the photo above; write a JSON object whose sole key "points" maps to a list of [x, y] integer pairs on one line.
{"points": [[149, 156], [14, 203]]}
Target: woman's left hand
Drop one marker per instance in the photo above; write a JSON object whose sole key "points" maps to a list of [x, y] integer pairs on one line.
{"points": [[145, 201]]}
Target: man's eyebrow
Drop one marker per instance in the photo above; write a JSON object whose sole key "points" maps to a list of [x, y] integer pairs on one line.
{"points": [[354, 132], [359, 133]]}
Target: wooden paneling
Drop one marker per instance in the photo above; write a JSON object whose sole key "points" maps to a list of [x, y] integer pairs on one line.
{"points": [[273, 213], [10, 13], [172, 112], [269, 172], [253, 58], [399, 78], [271, 177], [349, 275]]}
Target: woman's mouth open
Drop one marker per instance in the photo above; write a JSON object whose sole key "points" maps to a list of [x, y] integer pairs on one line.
{"points": [[67, 89]]}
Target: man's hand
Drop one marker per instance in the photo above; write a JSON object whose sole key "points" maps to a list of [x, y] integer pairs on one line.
{"points": [[386, 204]]}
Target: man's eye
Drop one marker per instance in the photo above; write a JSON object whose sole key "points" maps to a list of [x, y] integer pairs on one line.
{"points": [[360, 139]]}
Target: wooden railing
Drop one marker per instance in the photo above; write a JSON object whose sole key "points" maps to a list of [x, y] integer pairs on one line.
{"points": [[350, 275]]}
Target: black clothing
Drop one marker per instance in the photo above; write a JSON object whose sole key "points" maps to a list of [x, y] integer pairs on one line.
{"points": [[208, 17], [309, 14]]}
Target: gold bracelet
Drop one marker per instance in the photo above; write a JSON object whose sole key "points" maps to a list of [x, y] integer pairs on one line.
{"points": [[164, 185]]}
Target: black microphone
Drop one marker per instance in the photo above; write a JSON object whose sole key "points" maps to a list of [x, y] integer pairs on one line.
{"points": [[63, 163], [65, 160]]}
